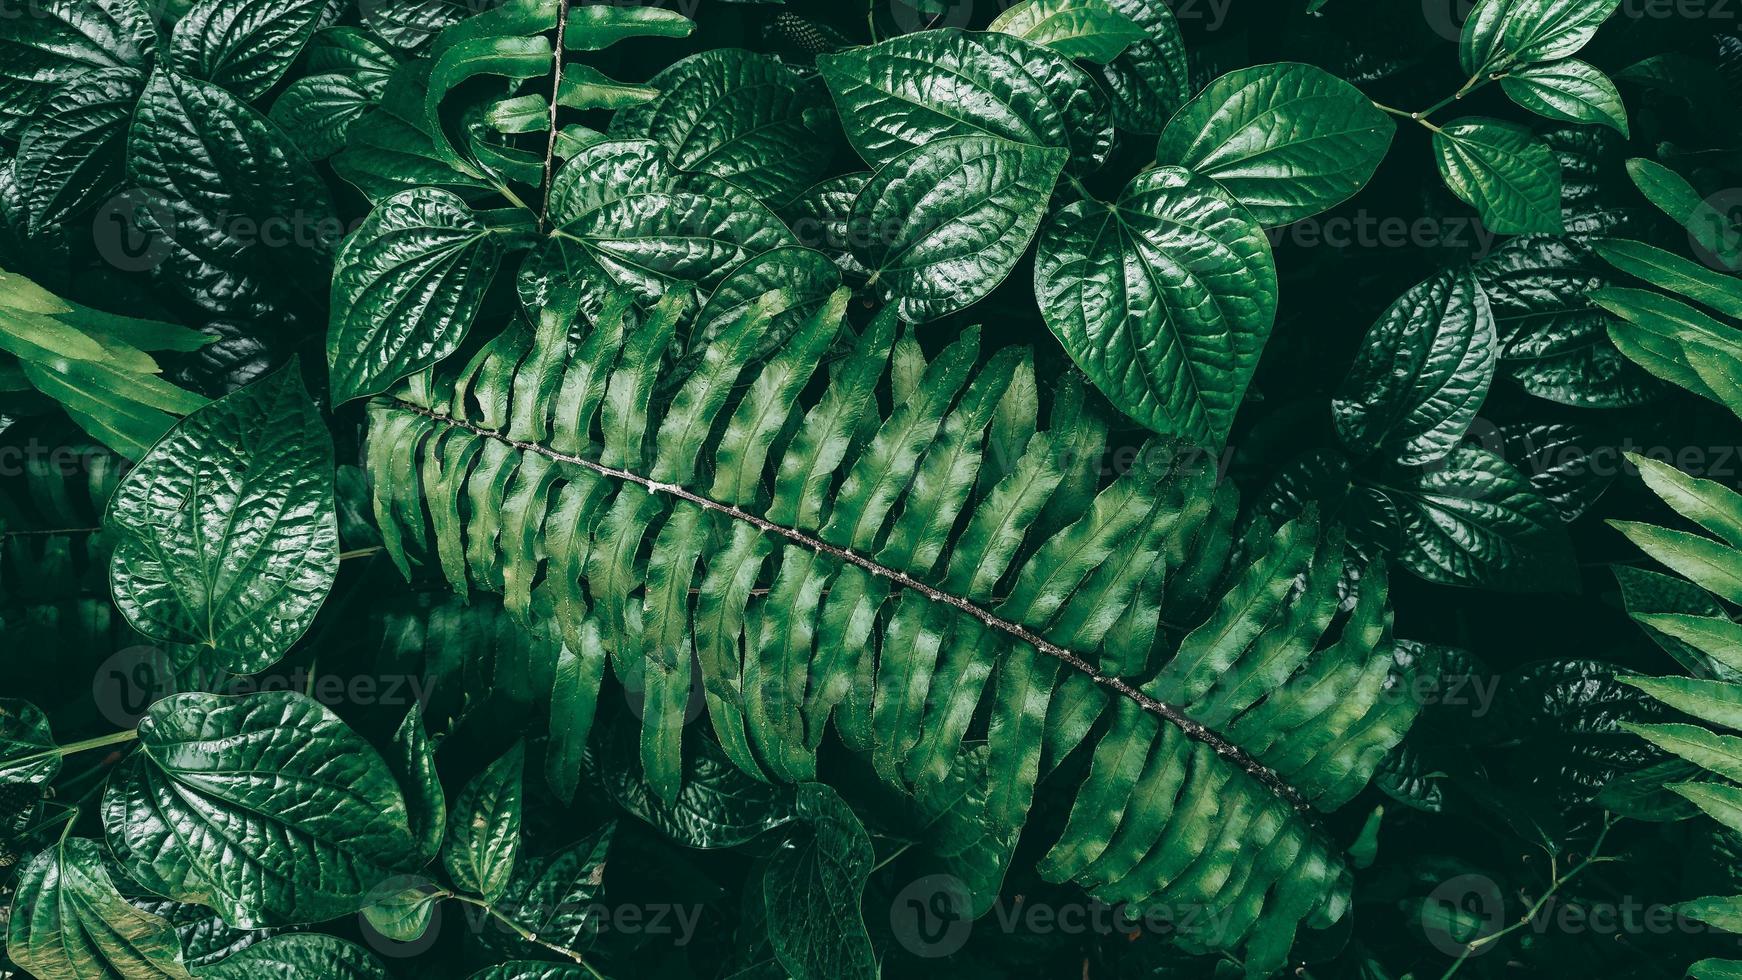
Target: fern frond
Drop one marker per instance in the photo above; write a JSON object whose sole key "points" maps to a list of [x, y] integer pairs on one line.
{"points": [[1712, 561], [963, 618]]}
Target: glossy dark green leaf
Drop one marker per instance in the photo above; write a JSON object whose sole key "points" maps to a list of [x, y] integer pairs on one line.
{"points": [[811, 891], [226, 533], [532, 970], [1497, 167], [1287, 140], [559, 897], [265, 807], [412, 23], [407, 285], [72, 155], [1468, 519], [1502, 33], [300, 956], [241, 223], [483, 839], [1554, 340], [919, 88], [943, 224], [54, 42], [413, 763], [318, 112], [652, 229], [1150, 79], [1562, 461], [390, 149], [821, 215], [718, 807], [1093, 30], [403, 909], [27, 747], [739, 115], [1165, 299], [1572, 714], [243, 45], [1570, 91], [808, 277], [68, 922], [1421, 374]]}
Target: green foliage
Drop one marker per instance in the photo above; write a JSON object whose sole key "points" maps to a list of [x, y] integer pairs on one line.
{"points": [[552, 491]]}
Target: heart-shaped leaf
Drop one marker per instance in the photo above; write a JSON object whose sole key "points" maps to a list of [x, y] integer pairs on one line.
{"points": [[1570, 91], [1093, 30], [243, 45], [941, 225], [1164, 298], [73, 153], [226, 533], [1287, 140], [68, 922], [54, 42], [484, 836], [739, 115], [241, 223], [408, 284], [919, 88], [265, 807]]}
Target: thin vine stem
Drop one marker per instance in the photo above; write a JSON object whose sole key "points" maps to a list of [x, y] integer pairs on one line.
{"points": [[521, 931], [1556, 882], [62, 751], [556, 85]]}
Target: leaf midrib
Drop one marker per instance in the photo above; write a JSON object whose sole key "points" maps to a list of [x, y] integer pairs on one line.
{"points": [[1235, 755]]}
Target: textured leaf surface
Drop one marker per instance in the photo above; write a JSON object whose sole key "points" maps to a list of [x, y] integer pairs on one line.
{"points": [[26, 745], [1510, 178], [1554, 340], [652, 229], [73, 153], [941, 225], [265, 807], [1500, 33], [242, 224], [1150, 79], [1570, 91], [1422, 373], [1093, 30], [57, 41], [1287, 140], [811, 890], [738, 115], [1471, 519], [242, 45], [484, 836], [919, 88], [406, 289], [68, 922], [302, 956], [226, 533], [1164, 299]]}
